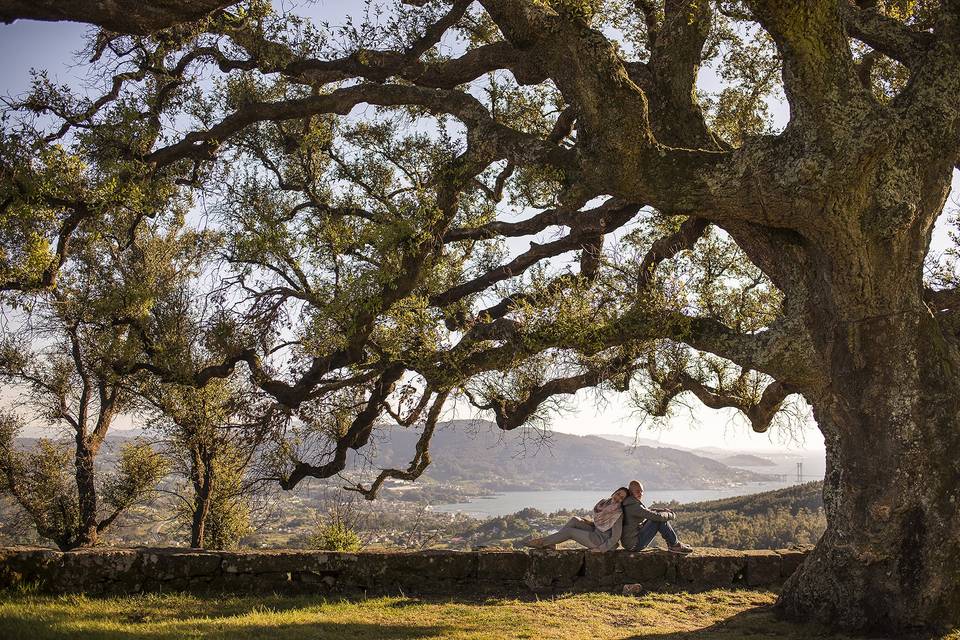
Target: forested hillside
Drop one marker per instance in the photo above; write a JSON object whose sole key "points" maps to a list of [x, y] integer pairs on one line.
{"points": [[476, 451], [767, 520]]}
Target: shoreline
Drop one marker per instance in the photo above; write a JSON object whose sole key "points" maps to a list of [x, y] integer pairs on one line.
{"points": [[550, 501]]}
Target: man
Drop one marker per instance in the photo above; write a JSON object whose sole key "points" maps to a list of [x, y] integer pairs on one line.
{"points": [[641, 525]]}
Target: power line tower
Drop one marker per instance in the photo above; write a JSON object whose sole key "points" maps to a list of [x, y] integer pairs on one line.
{"points": [[799, 472]]}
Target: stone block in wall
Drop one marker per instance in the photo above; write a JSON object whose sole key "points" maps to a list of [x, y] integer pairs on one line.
{"points": [[273, 582], [599, 571], [499, 566], [410, 572], [367, 573], [100, 570], [331, 561], [312, 581], [711, 568], [763, 568], [435, 565], [27, 566], [553, 570], [326, 571], [163, 565], [277, 582], [431, 571], [647, 567], [790, 560]]}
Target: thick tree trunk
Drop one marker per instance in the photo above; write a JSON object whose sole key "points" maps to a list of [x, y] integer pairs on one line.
{"points": [[890, 558]]}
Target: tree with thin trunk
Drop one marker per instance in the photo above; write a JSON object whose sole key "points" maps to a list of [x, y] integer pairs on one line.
{"points": [[71, 510], [212, 435], [61, 361], [58, 487], [69, 356], [374, 181]]}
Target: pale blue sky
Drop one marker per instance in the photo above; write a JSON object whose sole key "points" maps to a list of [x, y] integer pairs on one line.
{"points": [[51, 46]]}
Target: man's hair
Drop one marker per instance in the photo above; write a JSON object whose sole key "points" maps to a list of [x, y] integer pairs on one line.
{"points": [[636, 482]]}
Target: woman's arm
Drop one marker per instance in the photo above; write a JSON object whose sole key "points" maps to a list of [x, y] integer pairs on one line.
{"points": [[597, 508], [614, 540]]}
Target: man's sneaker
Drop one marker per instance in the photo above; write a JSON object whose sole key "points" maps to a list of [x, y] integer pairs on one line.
{"points": [[679, 548]]}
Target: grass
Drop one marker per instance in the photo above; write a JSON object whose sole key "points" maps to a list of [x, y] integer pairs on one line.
{"points": [[722, 614]]}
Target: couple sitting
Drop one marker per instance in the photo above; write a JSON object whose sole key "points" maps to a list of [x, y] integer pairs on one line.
{"points": [[621, 518]]}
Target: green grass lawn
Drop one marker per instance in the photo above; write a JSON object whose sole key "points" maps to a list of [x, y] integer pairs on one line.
{"points": [[713, 614]]}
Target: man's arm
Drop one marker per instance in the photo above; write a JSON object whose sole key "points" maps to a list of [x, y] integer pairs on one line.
{"points": [[637, 510]]}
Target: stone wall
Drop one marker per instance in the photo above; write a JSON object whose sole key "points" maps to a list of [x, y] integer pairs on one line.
{"points": [[101, 571]]}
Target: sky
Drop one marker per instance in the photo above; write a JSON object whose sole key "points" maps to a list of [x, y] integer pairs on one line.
{"points": [[52, 46]]}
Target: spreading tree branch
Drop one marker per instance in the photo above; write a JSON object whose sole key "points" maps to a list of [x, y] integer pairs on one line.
{"points": [[886, 35], [121, 16], [421, 458], [760, 411], [356, 435], [818, 74]]}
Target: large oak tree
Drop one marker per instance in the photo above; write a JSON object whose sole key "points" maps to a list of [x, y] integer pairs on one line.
{"points": [[366, 177]]}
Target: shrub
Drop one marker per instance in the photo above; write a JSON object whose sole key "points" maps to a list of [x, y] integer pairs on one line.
{"points": [[334, 536]]}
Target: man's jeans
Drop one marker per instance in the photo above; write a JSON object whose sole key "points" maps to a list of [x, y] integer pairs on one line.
{"points": [[649, 530]]}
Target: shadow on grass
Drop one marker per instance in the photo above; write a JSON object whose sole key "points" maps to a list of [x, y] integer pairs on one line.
{"points": [[213, 629], [158, 607], [758, 623], [157, 617]]}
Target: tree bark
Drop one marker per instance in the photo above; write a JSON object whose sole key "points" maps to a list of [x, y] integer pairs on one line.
{"points": [[86, 534], [890, 414], [122, 16], [203, 477]]}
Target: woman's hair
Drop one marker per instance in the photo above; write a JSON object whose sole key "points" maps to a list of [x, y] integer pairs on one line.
{"points": [[624, 489]]}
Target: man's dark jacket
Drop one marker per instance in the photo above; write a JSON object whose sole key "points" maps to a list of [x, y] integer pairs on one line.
{"points": [[635, 515]]}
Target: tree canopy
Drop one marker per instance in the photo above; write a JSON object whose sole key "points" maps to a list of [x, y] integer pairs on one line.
{"points": [[508, 201]]}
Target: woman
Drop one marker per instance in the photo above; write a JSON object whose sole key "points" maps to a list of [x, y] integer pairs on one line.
{"points": [[602, 534]]}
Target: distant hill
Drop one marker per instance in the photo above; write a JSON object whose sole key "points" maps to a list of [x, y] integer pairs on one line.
{"points": [[631, 441], [478, 452], [747, 460], [108, 454]]}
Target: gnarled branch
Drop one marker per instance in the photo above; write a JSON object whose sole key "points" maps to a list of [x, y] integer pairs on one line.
{"points": [[122, 16], [760, 411], [356, 435], [886, 35], [421, 458]]}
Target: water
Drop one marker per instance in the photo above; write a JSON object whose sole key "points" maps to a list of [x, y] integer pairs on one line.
{"points": [[548, 501]]}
